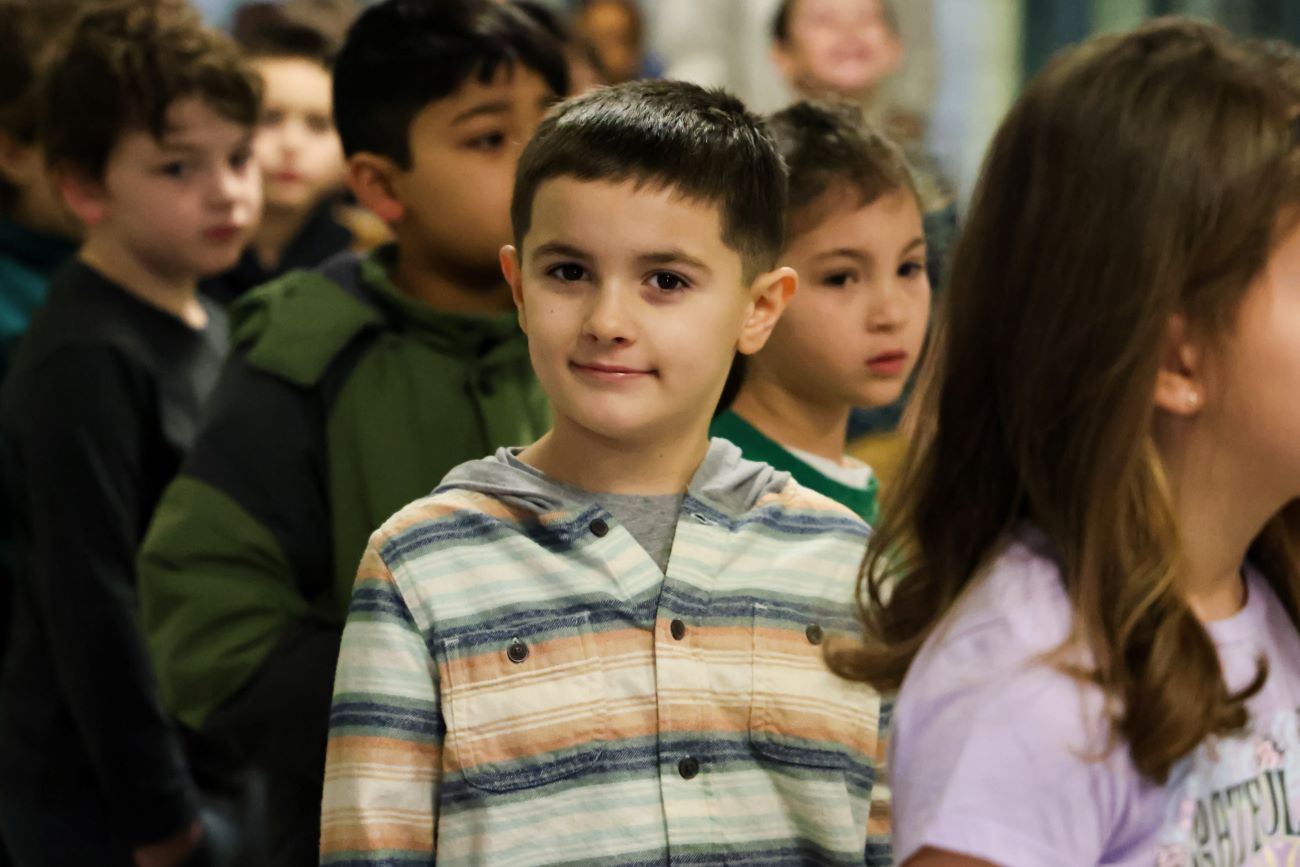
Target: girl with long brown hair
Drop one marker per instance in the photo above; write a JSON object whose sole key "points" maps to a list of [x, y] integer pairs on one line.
{"points": [[1086, 583]]}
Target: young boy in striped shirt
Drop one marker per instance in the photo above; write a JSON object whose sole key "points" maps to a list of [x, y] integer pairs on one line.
{"points": [[607, 647]]}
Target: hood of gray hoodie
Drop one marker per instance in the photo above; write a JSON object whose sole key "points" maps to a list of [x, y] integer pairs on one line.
{"points": [[724, 481]]}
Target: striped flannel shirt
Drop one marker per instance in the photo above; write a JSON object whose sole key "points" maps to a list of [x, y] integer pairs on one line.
{"points": [[519, 684]]}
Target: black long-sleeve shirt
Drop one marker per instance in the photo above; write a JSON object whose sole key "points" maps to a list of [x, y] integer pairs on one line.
{"points": [[102, 400]]}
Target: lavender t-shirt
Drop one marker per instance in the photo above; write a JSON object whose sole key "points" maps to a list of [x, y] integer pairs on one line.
{"points": [[998, 756]]}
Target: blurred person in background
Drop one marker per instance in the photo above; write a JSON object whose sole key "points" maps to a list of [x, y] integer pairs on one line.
{"points": [[297, 149], [615, 31], [585, 69], [351, 390], [37, 233], [847, 50], [146, 117]]}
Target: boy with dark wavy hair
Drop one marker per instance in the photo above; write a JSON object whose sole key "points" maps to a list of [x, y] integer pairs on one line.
{"points": [[145, 118]]}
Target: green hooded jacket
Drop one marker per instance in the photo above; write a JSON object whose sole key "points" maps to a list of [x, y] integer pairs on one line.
{"points": [[343, 401]]}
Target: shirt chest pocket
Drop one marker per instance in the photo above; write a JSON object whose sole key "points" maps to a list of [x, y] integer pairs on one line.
{"points": [[524, 706], [801, 713]]}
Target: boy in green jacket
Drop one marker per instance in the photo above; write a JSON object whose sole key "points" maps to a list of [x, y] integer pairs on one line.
{"points": [[351, 391]]}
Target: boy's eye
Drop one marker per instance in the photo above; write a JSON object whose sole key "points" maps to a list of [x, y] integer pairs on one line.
{"points": [[839, 279], [319, 124], [239, 159], [272, 117], [488, 142], [666, 281], [909, 270], [568, 272], [174, 169]]}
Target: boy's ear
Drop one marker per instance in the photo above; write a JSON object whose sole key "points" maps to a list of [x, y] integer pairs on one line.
{"points": [[84, 196], [769, 295], [373, 180], [510, 269], [1180, 386]]}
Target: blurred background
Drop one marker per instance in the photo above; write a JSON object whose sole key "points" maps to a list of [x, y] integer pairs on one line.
{"points": [[963, 64]]}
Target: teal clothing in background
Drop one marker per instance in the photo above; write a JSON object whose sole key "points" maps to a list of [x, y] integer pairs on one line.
{"points": [[28, 259], [756, 446]]}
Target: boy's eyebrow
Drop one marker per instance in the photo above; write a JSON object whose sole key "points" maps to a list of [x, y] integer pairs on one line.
{"points": [[847, 253], [864, 256], [670, 257], [559, 248], [496, 106], [198, 147]]}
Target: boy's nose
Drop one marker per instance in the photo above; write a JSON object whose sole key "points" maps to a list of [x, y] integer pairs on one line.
{"points": [[886, 311], [233, 184], [608, 318]]}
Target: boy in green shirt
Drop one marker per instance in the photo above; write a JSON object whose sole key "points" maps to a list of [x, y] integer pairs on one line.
{"points": [[852, 334], [352, 390]]}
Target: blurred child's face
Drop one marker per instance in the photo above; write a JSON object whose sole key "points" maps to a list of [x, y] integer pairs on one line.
{"points": [[464, 149], [611, 28], [853, 333], [296, 145], [838, 47], [634, 308], [183, 206]]}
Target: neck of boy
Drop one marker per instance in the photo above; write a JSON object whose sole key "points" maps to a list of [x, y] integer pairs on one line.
{"points": [[176, 295], [275, 232], [794, 422], [586, 460], [449, 289], [1220, 511]]}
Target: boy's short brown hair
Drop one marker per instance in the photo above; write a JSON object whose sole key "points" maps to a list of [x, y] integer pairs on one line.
{"points": [[702, 143], [830, 145], [123, 65]]}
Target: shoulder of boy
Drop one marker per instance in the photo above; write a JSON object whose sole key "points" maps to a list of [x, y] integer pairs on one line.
{"points": [[295, 326], [795, 497]]}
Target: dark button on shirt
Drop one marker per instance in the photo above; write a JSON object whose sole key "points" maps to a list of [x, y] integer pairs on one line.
{"points": [[688, 767], [517, 652]]}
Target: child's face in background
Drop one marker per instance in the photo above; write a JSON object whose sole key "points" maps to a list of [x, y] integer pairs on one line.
{"points": [[634, 307], [838, 48], [296, 144], [464, 149], [183, 206], [613, 31], [852, 334]]}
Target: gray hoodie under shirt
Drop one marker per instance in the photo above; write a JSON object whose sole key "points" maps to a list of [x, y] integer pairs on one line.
{"points": [[723, 480]]}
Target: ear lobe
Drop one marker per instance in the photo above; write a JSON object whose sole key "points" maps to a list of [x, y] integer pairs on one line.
{"points": [[510, 269], [769, 294], [85, 197], [1180, 386], [372, 179]]}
